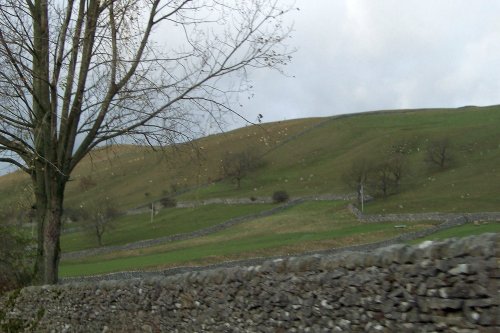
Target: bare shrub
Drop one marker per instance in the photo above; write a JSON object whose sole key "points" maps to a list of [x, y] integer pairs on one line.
{"points": [[168, 202], [280, 196]]}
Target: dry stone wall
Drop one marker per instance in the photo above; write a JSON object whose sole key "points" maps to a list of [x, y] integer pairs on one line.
{"points": [[449, 286], [431, 216], [365, 247], [239, 201], [183, 236]]}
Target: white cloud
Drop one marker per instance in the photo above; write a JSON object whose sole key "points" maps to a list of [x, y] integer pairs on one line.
{"points": [[475, 76], [357, 55]]}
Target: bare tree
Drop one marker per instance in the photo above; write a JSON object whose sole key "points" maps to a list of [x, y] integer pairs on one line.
{"points": [[237, 165], [380, 177], [382, 180], [100, 217], [439, 153], [86, 183], [79, 73], [386, 176], [397, 164], [356, 177]]}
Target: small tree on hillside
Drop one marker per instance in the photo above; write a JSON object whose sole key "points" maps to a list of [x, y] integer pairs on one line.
{"points": [[86, 183], [100, 218], [168, 202], [397, 165], [356, 177], [439, 153], [380, 178], [385, 178], [236, 166], [280, 196]]}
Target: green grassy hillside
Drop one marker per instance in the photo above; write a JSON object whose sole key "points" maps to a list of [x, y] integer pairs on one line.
{"points": [[304, 157], [306, 164], [132, 175], [315, 162]]}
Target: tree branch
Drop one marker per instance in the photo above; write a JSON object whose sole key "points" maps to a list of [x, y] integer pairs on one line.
{"points": [[16, 163]]}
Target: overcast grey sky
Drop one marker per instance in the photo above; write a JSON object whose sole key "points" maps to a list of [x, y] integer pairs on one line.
{"points": [[361, 55]]}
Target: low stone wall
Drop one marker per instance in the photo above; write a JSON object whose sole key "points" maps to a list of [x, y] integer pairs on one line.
{"points": [[364, 247], [449, 286], [431, 216], [239, 201], [225, 201], [177, 237], [205, 231]]}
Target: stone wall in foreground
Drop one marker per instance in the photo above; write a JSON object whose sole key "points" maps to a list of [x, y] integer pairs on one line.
{"points": [[449, 286]]}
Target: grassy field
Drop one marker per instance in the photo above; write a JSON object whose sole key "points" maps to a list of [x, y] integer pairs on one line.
{"points": [[462, 231], [307, 227], [168, 222]]}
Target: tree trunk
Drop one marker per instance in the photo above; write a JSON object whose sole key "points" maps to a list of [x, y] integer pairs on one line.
{"points": [[358, 192], [98, 233], [49, 205], [46, 168]]}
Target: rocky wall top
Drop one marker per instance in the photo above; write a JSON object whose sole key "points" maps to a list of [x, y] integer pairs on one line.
{"points": [[448, 286]]}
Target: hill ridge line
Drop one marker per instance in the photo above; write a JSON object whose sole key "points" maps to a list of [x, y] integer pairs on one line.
{"points": [[329, 119], [298, 135]]}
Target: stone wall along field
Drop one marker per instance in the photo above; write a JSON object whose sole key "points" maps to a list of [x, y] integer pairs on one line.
{"points": [[448, 286]]}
